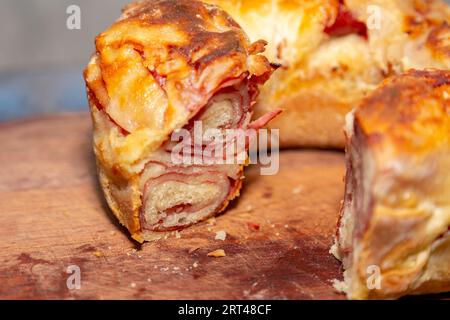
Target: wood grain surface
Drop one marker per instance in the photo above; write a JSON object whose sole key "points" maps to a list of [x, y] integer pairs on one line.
{"points": [[52, 215]]}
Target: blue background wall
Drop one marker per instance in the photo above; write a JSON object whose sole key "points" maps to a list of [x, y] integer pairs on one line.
{"points": [[41, 60]]}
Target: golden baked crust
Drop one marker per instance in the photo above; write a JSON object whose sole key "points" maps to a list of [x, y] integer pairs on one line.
{"points": [[328, 66], [396, 211], [409, 113], [153, 71]]}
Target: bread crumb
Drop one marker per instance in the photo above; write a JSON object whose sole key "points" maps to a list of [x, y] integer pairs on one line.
{"points": [[98, 254], [209, 229], [133, 285], [149, 280], [217, 253], [277, 234], [212, 221], [221, 235], [297, 190], [248, 208], [195, 264], [446, 95], [192, 250], [177, 235], [113, 233]]}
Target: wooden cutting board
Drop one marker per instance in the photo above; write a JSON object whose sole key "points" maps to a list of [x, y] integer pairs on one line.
{"points": [[52, 215]]}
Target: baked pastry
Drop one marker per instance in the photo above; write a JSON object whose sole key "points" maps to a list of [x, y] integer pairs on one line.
{"points": [[333, 53], [395, 217], [162, 66]]}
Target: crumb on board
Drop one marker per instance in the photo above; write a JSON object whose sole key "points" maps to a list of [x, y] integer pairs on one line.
{"points": [[113, 233], [277, 234], [98, 254], [177, 234], [195, 264], [192, 250], [212, 221], [248, 208], [253, 226], [297, 190], [133, 285], [217, 253], [220, 235], [149, 280]]}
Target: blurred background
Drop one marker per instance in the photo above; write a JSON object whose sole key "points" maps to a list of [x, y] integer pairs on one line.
{"points": [[41, 60]]}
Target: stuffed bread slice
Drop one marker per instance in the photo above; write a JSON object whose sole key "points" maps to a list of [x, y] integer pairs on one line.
{"points": [[162, 65], [395, 217], [333, 53]]}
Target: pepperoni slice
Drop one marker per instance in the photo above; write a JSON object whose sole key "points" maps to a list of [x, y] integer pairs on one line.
{"points": [[346, 24]]}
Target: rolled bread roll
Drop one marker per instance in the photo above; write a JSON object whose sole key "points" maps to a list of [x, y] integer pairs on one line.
{"points": [[394, 232], [335, 52], [162, 66]]}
